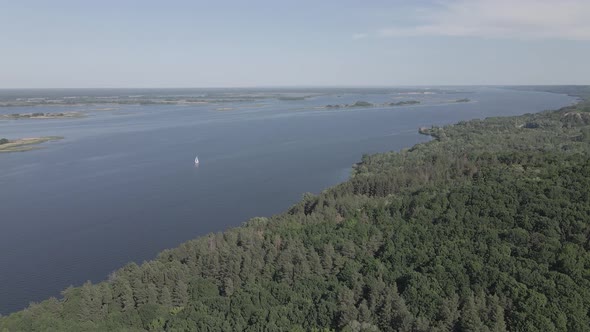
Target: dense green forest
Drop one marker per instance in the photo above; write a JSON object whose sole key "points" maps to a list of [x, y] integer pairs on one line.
{"points": [[484, 228]]}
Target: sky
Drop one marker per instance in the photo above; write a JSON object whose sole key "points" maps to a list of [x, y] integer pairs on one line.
{"points": [[255, 43]]}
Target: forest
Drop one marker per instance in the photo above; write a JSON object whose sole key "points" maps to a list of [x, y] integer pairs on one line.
{"points": [[484, 228]]}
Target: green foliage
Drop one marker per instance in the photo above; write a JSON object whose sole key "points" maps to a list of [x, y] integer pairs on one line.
{"points": [[4, 141], [484, 228]]}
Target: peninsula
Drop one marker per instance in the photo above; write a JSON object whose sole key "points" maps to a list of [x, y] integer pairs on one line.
{"points": [[24, 144]]}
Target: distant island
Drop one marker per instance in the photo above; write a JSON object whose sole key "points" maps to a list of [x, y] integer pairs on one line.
{"points": [[362, 103], [463, 100], [356, 104], [24, 144], [404, 102], [41, 115], [292, 98]]}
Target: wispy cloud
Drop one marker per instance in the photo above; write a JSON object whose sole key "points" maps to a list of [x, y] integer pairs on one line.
{"points": [[356, 36], [516, 19]]}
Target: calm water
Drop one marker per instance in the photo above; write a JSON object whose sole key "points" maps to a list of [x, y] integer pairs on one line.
{"points": [[122, 185]]}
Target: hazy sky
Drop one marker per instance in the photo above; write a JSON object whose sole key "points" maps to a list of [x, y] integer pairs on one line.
{"points": [[177, 43]]}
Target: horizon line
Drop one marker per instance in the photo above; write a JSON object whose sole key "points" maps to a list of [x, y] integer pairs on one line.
{"points": [[294, 87]]}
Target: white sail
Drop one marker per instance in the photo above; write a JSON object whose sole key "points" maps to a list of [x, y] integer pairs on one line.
{"points": [[196, 160]]}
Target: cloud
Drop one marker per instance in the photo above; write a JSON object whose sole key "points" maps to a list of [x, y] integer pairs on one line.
{"points": [[356, 36], [511, 19]]}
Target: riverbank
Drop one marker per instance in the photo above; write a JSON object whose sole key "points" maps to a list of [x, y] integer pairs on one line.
{"points": [[25, 144]]}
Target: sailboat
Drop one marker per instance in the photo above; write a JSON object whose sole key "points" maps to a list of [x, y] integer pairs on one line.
{"points": [[197, 160]]}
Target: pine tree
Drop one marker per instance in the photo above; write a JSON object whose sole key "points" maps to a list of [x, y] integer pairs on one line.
{"points": [[364, 312], [106, 298], [470, 320], [448, 314], [328, 258], [228, 286], [166, 297], [140, 292], [152, 294], [123, 294], [347, 312], [402, 318], [496, 318], [180, 294]]}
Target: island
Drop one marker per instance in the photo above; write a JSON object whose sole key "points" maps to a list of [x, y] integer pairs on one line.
{"points": [[463, 100], [362, 103], [404, 102], [24, 144], [291, 98], [359, 103]]}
